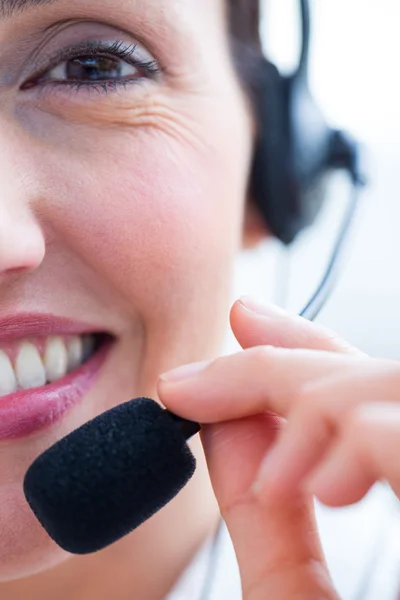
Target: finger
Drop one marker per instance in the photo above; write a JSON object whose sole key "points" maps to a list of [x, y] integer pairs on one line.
{"points": [[368, 451], [301, 446], [255, 325], [253, 381], [324, 412], [278, 549]]}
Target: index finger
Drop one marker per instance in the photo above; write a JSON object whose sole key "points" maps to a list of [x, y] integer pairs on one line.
{"points": [[250, 382]]}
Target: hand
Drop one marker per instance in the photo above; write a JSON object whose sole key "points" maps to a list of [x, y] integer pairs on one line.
{"points": [[277, 544]]}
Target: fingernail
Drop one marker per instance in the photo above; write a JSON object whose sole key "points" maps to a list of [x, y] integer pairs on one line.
{"points": [[260, 308], [184, 372]]}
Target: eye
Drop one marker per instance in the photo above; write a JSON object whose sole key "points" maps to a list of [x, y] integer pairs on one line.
{"points": [[97, 63], [91, 68]]}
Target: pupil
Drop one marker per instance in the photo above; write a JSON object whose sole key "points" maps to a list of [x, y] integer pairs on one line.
{"points": [[93, 68]]}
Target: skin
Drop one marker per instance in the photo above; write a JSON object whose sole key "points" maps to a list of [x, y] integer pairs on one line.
{"points": [[124, 210]]}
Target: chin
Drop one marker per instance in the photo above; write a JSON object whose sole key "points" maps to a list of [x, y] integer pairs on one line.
{"points": [[31, 420], [25, 547]]}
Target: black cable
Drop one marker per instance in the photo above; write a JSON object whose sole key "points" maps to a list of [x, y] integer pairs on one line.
{"points": [[306, 36], [333, 271], [282, 278]]}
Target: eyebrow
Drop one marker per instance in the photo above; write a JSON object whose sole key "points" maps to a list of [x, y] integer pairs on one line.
{"points": [[9, 7]]}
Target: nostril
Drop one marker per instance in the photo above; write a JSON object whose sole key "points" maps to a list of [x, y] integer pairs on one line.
{"points": [[20, 255], [22, 245]]}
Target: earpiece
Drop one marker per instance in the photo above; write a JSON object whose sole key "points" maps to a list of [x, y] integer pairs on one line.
{"points": [[295, 147]]}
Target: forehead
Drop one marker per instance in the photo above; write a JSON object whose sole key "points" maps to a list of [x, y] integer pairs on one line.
{"points": [[8, 8], [193, 22]]}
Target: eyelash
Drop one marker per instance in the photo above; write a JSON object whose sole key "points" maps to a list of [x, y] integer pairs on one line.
{"points": [[117, 49]]}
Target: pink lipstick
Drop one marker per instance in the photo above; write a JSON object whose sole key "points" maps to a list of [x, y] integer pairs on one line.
{"points": [[27, 411]]}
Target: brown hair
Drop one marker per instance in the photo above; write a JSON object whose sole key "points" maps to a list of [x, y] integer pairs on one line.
{"points": [[244, 18], [244, 23]]}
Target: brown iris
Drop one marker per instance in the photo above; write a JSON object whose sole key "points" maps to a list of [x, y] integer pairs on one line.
{"points": [[93, 68]]}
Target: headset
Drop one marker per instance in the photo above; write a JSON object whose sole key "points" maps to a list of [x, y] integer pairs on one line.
{"points": [[294, 152], [295, 148]]}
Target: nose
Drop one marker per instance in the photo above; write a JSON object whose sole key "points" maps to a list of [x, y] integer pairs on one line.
{"points": [[22, 244]]}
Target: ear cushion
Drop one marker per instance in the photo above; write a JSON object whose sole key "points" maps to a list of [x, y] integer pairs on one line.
{"points": [[292, 153]]}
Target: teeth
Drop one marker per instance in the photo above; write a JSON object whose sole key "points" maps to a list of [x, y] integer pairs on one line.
{"points": [[75, 353], [60, 356], [29, 367], [8, 381], [55, 359]]}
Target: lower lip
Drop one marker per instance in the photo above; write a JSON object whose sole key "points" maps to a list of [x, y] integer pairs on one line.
{"points": [[29, 411]]}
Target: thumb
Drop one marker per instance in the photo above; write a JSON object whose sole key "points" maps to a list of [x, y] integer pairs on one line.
{"points": [[255, 324]]}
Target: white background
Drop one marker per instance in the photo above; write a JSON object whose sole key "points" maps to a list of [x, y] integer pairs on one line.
{"points": [[356, 78]]}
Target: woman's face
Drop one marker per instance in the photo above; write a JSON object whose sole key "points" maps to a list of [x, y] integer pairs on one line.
{"points": [[125, 143]]}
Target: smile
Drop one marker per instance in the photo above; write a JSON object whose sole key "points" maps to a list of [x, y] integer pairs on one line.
{"points": [[46, 367], [34, 363]]}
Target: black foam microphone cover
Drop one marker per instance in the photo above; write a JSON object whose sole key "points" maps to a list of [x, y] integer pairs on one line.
{"points": [[106, 478]]}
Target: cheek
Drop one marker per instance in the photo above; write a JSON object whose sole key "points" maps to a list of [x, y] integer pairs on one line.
{"points": [[25, 547], [158, 218]]}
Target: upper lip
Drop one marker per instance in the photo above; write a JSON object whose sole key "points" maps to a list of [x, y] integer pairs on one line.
{"points": [[30, 324]]}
